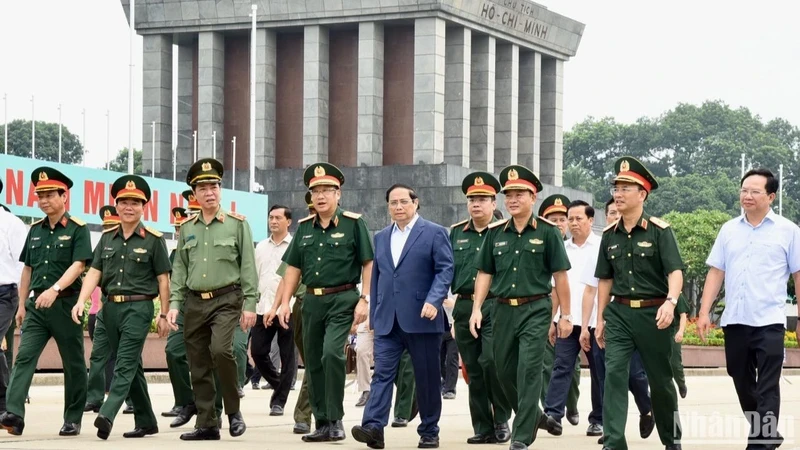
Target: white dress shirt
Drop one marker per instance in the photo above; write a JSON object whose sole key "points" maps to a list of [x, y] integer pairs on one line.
{"points": [[399, 238], [580, 257], [757, 261], [13, 234], [268, 258]]}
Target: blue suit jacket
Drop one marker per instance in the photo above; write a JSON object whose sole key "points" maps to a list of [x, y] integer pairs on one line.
{"points": [[423, 275]]}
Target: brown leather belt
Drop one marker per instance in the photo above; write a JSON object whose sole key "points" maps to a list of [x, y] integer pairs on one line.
{"points": [[331, 290], [521, 300], [640, 303], [472, 297], [216, 292], [129, 298]]}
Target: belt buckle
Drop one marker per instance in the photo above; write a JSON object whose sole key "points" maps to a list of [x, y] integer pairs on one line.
{"points": [[636, 303], [206, 295], [513, 301], [319, 291], [117, 298]]}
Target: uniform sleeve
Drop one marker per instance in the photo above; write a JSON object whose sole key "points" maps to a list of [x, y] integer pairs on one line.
{"points": [[97, 260], [604, 270], [161, 262], [292, 256], [668, 251], [683, 305], [25, 255], [247, 265], [484, 261], [281, 272], [82, 245], [364, 243], [555, 253], [179, 272]]}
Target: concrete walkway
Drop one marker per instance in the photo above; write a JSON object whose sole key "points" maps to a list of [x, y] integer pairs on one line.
{"points": [[710, 416]]}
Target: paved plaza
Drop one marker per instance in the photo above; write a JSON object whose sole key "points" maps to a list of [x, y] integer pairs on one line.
{"points": [[709, 410]]}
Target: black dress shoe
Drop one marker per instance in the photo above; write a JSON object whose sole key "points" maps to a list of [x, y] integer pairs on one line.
{"points": [[368, 435], [482, 439], [140, 432], [552, 426], [13, 423], [255, 386], [502, 433], [362, 401], [172, 412], [183, 417], [276, 410], [516, 445], [70, 429], [646, 425], [240, 392], [321, 434], [428, 442], [399, 422], [103, 427], [683, 390], [594, 429], [573, 418], [673, 447], [600, 441], [237, 426], [201, 434], [336, 431], [93, 407], [128, 409], [301, 428]]}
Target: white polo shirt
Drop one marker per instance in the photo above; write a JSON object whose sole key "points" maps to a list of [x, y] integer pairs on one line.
{"points": [[268, 258], [581, 257]]}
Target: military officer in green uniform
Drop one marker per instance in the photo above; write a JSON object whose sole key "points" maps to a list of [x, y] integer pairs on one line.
{"points": [[331, 250], [640, 266], [214, 275], [55, 254], [679, 325], [131, 266], [489, 408], [517, 260]]}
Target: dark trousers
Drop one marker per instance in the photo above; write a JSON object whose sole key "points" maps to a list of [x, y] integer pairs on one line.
{"points": [[261, 343], [9, 300], [566, 352], [754, 357], [424, 349], [449, 363], [637, 379]]}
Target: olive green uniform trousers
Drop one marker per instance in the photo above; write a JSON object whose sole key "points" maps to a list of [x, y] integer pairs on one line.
{"points": [[302, 410], [677, 365], [98, 361], [406, 396]]}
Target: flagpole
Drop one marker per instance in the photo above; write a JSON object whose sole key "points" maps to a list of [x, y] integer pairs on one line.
{"points": [[253, 47], [153, 141], [33, 128], [233, 172], [108, 140], [5, 123], [780, 192], [130, 85], [83, 113], [59, 133]]}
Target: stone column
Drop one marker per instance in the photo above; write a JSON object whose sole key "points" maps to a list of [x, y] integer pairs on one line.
{"points": [[429, 46], [210, 93], [506, 120], [157, 103], [370, 94], [266, 66], [481, 146], [458, 71], [530, 100], [185, 144], [315, 93], [552, 121]]}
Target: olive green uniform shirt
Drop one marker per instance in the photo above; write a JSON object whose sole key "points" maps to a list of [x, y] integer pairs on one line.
{"points": [[639, 261], [130, 266], [50, 252], [332, 256], [213, 255], [522, 264], [466, 243], [301, 288]]}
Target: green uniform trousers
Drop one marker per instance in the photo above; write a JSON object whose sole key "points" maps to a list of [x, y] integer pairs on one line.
{"points": [[127, 325], [178, 365], [326, 324], [39, 326], [677, 364], [406, 396], [208, 329], [302, 409], [574, 386], [487, 404], [98, 361], [629, 329], [520, 334]]}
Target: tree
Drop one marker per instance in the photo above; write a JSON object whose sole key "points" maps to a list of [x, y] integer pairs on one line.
{"points": [[120, 163], [19, 142]]}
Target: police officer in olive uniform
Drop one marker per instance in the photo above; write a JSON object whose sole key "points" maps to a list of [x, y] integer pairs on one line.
{"points": [[640, 266], [55, 254], [214, 275], [489, 408], [131, 266], [517, 260], [331, 251]]}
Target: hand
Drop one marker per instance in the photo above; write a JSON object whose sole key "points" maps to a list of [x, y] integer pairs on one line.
{"points": [[247, 320], [269, 317], [361, 312], [20, 317], [475, 322], [354, 328], [551, 335], [4, 345], [172, 318], [585, 339], [46, 299], [564, 328], [284, 315], [665, 315], [449, 302], [429, 311], [163, 327], [703, 326], [599, 333], [77, 312], [453, 331], [679, 336]]}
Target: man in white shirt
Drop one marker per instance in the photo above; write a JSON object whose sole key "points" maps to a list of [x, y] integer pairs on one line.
{"points": [[754, 254], [268, 258]]}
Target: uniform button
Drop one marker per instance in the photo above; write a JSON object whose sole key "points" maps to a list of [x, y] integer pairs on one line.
{"points": [[612, 256], [204, 275], [320, 244], [204, 260], [629, 255], [515, 269], [120, 270], [206, 228], [533, 251], [480, 234], [123, 256], [478, 249], [499, 253], [513, 285], [629, 236], [642, 254], [124, 244], [45, 262], [205, 243], [44, 277], [473, 278], [118, 283], [48, 246], [516, 251], [460, 248], [630, 271], [319, 259], [316, 273], [633, 289]]}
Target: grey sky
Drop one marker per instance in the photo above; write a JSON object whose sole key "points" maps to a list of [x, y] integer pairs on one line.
{"points": [[636, 58]]}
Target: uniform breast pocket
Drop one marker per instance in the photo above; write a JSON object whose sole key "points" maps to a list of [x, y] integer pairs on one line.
{"points": [[338, 249], [107, 256], [644, 252], [463, 254], [502, 258], [615, 257], [63, 251], [139, 258], [189, 247], [225, 249]]}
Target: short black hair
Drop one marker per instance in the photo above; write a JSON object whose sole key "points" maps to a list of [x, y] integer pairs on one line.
{"points": [[411, 192], [609, 202], [773, 184], [497, 214], [586, 207], [286, 211]]}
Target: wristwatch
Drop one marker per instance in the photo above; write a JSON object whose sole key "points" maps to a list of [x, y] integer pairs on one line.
{"points": [[673, 300], [163, 316], [56, 288], [365, 297], [567, 317]]}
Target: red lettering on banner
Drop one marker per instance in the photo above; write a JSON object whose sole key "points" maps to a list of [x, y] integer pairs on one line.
{"points": [[14, 185], [93, 196], [32, 197], [233, 206], [151, 208]]}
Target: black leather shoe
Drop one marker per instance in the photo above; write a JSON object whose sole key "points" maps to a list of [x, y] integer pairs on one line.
{"points": [[646, 425], [362, 401], [70, 429], [683, 390], [276, 410], [183, 417], [255, 386], [573, 418], [516, 445], [103, 427], [600, 440], [673, 447], [237, 426], [336, 431], [301, 428], [594, 429], [428, 442], [93, 407], [140, 432], [367, 435], [502, 433], [128, 409], [321, 434], [399, 422], [172, 412], [13, 423], [552, 426], [240, 392], [482, 439], [201, 434]]}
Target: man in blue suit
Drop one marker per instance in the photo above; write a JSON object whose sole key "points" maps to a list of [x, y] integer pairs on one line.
{"points": [[411, 274]]}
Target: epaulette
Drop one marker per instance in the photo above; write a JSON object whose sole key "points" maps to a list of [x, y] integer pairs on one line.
{"points": [[38, 221], [193, 219], [236, 216], [610, 226], [547, 221], [154, 232], [114, 228], [498, 223], [459, 223], [306, 219], [659, 223], [77, 221], [351, 215]]}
